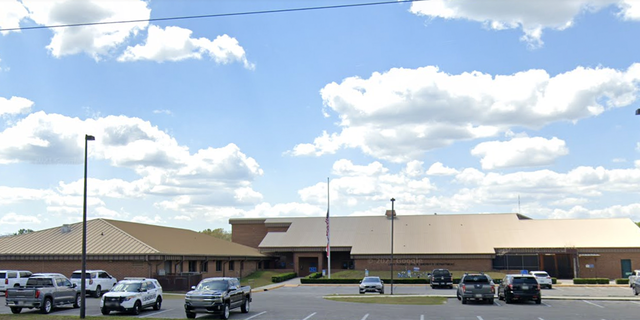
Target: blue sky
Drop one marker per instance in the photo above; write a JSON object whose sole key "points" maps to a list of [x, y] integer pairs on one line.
{"points": [[447, 106]]}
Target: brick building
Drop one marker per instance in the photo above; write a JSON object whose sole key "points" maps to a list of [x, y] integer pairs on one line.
{"points": [[127, 249], [608, 248]]}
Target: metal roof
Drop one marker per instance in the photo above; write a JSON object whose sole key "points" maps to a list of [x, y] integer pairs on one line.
{"points": [[453, 233], [113, 237]]}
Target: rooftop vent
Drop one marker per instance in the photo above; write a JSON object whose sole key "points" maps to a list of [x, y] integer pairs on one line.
{"points": [[65, 228]]}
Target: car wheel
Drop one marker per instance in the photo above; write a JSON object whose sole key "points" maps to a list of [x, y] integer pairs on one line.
{"points": [[245, 306], [98, 292], [635, 291], [464, 300], [46, 306], [105, 311], [16, 310], [550, 286], [507, 299], [381, 291], [539, 301], [225, 312], [78, 302], [490, 301], [361, 292], [137, 308], [458, 296], [17, 285], [190, 315], [158, 304]]}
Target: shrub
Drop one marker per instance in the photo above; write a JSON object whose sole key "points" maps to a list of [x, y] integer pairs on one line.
{"points": [[283, 277], [554, 280], [590, 281], [315, 275], [622, 281]]}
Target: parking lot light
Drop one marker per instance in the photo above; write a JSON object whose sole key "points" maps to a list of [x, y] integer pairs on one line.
{"points": [[83, 277]]}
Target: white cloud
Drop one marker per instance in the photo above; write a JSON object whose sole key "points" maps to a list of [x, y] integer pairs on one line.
{"points": [[98, 40], [167, 112], [403, 113], [11, 13], [519, 152], [14, 218], [533, 17], [176, 44], [438, 169], [15, 105]]}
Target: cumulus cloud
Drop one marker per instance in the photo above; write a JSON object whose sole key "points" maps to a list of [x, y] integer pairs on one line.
{"points": [[176, 44], [403, 113], [533, 17], [96, 41], [14, 218], [519, 152], [438, 169], [14, 105], [11, 14]]}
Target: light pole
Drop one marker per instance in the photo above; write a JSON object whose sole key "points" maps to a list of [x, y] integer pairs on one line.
{"points": [[83, 277], [393, 216]]}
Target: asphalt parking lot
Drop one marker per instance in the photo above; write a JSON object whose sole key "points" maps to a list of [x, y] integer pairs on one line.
{"points": [[307, 303]]}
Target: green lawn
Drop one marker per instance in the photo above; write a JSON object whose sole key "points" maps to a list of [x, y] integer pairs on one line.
{"points": [[258, 278]]}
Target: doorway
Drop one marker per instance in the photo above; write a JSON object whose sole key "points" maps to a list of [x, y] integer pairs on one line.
{"points": [[625, 265]]}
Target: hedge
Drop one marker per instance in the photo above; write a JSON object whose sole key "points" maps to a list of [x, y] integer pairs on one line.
{"points": [[554, 280], [315, 275], [622, 281], [590, 281], [283, 276]]}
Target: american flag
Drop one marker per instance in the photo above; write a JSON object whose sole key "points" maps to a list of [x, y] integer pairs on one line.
{"points": [[327, 221]]}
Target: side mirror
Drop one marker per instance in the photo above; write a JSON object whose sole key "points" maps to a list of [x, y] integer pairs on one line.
{"points": [[232, 288], [193, 287], [73, 285]]}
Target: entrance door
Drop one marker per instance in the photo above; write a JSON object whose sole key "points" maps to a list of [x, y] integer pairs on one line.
{"points": [[565, 267], [626, 268], [549, 265], [307, 266]]}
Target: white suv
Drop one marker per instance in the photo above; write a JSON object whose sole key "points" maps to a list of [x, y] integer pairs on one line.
{"points": [[13, 278], [132, 295], [96, 281], [544, 280]]}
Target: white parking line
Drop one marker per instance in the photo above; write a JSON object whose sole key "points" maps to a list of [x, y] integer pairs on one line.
{"points": [[154, 313], [548, 306], [255, 315], [497, 303], [422, 317], [540, 319], [480, 318], [591, 303], [365, 316], [309, 316]]}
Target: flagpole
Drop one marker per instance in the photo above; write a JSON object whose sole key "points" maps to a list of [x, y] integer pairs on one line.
{"points": [[328, 235]]}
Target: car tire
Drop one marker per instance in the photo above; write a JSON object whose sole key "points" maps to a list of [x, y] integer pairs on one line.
{"points": [[382, 291], [46, 306], [361, 292], [105, 311], [16, 310], [539, 301], [490, 301], [458, 296], [98, 292], [464, 300], [190, 315], [246, 305], [507, 299], [225, 312], [78, 301], [158, 304], [550, 286], [137, 308], [635, 291]]}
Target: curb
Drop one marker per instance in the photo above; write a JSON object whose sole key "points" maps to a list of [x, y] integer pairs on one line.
{"points": [[453, 296]]}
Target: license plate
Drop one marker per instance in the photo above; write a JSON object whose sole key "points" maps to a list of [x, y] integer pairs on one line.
{"points": [[525, 287], [110, 304], [478, 295]]}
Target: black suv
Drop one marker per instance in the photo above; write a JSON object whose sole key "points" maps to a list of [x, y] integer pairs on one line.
{"points": [[520, 287], [441, 278]]}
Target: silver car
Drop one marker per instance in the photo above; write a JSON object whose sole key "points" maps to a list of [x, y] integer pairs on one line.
{"points": [[371, 284]]}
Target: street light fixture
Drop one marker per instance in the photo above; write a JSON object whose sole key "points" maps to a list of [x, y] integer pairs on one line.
{"points": [[83, 289], [393, 217]]}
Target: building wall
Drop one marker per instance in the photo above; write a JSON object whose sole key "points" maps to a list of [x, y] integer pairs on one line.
{"points": [[384, 263], [607, 265], [118, 269], [248, 234]]}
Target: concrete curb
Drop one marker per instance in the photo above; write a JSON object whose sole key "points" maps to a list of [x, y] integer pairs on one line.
{"points": [[496, 298]]}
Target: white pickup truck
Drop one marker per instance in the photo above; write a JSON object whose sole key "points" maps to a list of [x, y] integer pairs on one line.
{"points": [[634, 277]]}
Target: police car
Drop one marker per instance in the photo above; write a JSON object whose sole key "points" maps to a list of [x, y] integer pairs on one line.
{"points": [[132, 295]]}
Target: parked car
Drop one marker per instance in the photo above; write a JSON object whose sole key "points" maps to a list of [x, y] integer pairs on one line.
{"points": [[132, 295], [520, 287], [476, 286], [371, 284], [96, 281], [441, 278], [13, 278], [633, 278], [218, 296], [44, 291], [543, 279]]}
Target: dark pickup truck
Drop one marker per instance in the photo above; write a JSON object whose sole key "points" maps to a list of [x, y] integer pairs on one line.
{"points": [[43, 291], [441, 278], [217, 296]]}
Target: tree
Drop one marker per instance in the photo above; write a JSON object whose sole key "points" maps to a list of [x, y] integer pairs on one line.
{"points": [[23, 231], [218, 233]]}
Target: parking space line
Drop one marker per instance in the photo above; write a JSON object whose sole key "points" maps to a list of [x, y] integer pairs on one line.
{"points": [[636, 302], [540, 318], [480, 318], [153, 314], [548, 305], [497, 303], [255, 315], [591, 303], [365, 316], [422, 317], [309, 316]]}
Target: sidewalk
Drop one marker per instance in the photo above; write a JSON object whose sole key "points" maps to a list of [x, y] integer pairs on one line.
{"points": [[288, 283]]}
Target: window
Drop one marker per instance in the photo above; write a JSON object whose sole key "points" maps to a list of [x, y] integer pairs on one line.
{"points": [[193, 266], [516, 262], [231, 265], [204, 266], [12, 275], [218, 265]]}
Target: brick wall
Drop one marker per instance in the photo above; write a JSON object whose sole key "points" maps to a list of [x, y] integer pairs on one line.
{"points": [[607, 265], [118, 269], [425, 265]]}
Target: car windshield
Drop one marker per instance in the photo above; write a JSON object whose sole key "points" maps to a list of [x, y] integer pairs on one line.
{"points": [[377, 280], [216, 285], [476, 279], [441, 273], [523, 280], [127, 287]]}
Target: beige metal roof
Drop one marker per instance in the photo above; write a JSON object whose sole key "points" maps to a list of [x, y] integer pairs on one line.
{"points": [[112, 237], [454, 234]]}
